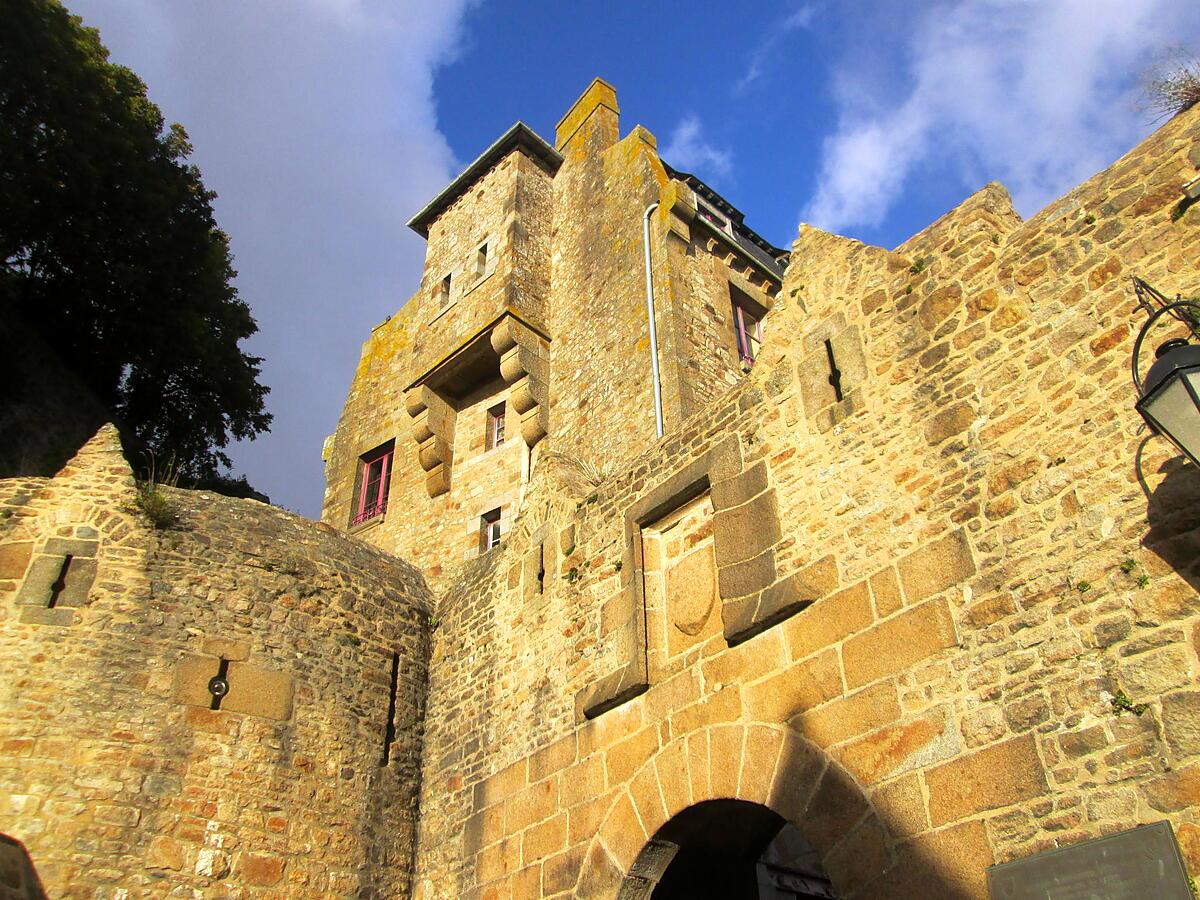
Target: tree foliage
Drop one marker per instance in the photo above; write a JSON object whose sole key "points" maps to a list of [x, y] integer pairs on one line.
{"points": [[109, 247]]}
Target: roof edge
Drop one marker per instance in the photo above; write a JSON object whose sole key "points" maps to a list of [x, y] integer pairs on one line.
{"points": [[519, 137]]}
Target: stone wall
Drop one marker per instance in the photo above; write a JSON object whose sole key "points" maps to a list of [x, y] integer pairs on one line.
{"points": [[116, 771], [954, 612]]}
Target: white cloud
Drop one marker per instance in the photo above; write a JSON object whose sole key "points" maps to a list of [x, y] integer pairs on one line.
{"points": [[1036, 95], [688, 150], [314, 120], [800, 17]]}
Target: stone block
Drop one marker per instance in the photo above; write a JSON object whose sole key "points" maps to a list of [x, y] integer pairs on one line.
{"points": [[613, 689], [560, 872], [226, 648], [165, 853], [71, 547], [798, 688], [725, 750], [259, 692], [81, 573], [828, 621], [949, 422], [749, 576], [1175, 791], [14, 558], [626, 757], [885, 588], [1000, 775], [556, 756], [622, 832], [901, 805], [692, 591], [745, 531], [741, 488], [544, 839], [835, 807], [897, 748], [860, 858], [759, 763], [898, 643], [1181, 722], [858, 714], [192, 675], [40, 580], [259, 869], [950, 864], [797, 774], [744, 618], [936, 567], [530, 806], [62, 616]]}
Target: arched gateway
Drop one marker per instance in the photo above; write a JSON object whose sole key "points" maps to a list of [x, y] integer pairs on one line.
{"points": [[758, 811], [731, 849]]}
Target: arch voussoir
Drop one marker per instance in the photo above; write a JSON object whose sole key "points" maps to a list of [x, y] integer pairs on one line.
{"points": [[770, 765]]}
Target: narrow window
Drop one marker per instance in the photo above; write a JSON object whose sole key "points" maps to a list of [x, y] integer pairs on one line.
{"points": [[489, 530], [747, 325], [835, 374], [442, 292], [375, 470], [495, 427], [60, 583], [481, 261], [389, 731]]}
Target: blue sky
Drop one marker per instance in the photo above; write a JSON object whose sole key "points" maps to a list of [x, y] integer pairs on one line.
{"points": [[324, 124]]}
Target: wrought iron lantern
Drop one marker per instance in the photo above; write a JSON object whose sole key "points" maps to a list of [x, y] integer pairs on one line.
{"points": [[1169, 395]]}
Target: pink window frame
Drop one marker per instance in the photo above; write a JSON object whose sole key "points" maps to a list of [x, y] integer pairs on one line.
{"points": [[495, 435], [364, 511], [491, 529], [743, 334]]}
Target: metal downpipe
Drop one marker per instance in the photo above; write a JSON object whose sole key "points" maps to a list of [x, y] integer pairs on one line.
{"points": [[658, 415]]}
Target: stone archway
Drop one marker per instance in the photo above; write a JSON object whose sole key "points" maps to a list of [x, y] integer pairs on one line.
{"points": [[762, 767], [727, 848]]}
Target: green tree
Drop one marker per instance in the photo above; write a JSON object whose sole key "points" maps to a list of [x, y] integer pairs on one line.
{"points": [[109, 245]]}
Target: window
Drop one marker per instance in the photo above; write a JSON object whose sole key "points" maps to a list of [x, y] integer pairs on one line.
{"points": [[442, 292], [489, 530], [747, 325], [481, 261], [375, 469], [495, 427]]}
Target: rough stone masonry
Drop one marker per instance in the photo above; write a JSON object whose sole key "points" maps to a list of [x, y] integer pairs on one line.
{"points": [[904, 578]]}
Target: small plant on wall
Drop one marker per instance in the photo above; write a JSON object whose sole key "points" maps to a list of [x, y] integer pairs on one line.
{"points": [[151, 498]]}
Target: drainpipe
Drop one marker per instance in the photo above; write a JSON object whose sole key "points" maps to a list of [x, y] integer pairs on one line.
{"points": [[658, 416]]}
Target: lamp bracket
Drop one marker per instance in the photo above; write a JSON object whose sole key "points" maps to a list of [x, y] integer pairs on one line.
{"points": [[1156, 305]]}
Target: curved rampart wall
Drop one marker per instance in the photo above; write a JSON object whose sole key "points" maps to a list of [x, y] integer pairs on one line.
{"points": [[114, 769]]}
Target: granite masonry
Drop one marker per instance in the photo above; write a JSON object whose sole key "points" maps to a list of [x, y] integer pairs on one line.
{"points": [[902, 591]]}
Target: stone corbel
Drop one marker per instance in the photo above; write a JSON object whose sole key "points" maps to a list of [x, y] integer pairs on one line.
{"points": [[433, 428], [524, 366], [680, 202]]}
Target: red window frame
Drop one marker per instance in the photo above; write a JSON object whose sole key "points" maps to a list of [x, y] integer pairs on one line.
{"points": [[374, 478]]}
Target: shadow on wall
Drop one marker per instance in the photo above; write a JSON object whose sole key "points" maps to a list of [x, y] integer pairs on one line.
{"points": [[1173, 513]]}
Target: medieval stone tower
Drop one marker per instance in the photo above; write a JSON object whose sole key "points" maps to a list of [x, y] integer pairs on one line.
{"points": [[655, 561]]}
